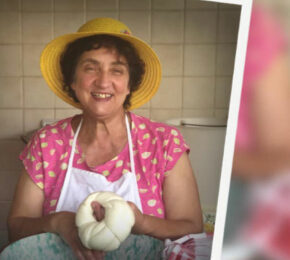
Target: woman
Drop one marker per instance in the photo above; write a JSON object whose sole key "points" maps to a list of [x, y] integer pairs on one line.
{"points": [[105, 71]]}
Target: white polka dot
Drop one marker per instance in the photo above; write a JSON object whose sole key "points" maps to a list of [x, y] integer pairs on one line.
{"points": [[52, 203], [142, 126], [106, 173], [54, 130], [177, 150], [51, 174], [151, 203], [40, 184], [146, 136], [154, 161], [43, 145], [145, 155], [176, 140], [60, 142], [174, 132], [38, 166], [45, 164], [119, 163], [63, 166]]}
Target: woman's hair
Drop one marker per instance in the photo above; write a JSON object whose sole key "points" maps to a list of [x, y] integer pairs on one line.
{"points": [[75, 49]]}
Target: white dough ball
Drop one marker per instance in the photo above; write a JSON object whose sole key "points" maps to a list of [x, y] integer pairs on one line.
{"points": [[109, 233]]}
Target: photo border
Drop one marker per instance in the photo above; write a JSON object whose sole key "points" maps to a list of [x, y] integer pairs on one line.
{"points": [[226, 169]]}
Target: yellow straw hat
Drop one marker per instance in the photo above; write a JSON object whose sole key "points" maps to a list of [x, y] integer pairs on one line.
{"points": [[50, 59]]}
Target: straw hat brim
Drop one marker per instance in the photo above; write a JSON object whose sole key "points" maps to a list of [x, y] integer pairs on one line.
{"points": [[51, 71]]}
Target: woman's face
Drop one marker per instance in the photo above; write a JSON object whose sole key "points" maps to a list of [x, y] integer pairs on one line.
{"points": [[101, 82]]}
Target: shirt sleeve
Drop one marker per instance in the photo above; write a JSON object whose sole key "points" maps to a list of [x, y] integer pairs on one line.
{"points": [[175, 146], [32, 159]]}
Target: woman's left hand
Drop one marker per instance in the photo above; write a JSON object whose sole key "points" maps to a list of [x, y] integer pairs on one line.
{"points": [[140, 219]]}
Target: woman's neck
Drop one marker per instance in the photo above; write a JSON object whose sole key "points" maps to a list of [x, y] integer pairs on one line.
{"points": [[94, 129]]}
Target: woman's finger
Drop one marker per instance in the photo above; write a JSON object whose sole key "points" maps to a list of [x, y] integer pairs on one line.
{"points": [[98, 210]]}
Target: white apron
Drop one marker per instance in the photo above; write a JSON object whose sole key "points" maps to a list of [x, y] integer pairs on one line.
{"points": [[78, 184]]}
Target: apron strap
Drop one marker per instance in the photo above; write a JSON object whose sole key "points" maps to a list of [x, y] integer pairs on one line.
{"points": [[71, 158], [69, 167], [131, 154]]}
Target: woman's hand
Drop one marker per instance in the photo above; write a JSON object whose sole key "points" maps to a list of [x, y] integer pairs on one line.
{"points": [[140, 220], [65, 225]]}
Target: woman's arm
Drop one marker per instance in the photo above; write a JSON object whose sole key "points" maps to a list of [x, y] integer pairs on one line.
{"points": [[182, 207], [26, 219], [26, 210], [270, 106]]}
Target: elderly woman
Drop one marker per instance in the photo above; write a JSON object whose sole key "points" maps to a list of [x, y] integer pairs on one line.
{"points": [[105, 71]]}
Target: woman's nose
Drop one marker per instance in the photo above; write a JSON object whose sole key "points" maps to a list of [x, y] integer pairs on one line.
{"points": [[103, 79]]}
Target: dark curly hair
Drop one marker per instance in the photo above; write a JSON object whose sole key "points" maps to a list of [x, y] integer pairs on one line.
{"points": [[71, 55]]}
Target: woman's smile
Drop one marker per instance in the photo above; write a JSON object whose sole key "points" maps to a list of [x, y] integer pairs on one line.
{"points": [[102, 96]]}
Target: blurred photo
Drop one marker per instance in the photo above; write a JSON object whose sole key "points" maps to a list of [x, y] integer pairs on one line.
{"points": [[258, 218]]}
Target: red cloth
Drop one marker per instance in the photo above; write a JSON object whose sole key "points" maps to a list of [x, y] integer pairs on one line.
{"points": [[190, 247], [269, 223]]}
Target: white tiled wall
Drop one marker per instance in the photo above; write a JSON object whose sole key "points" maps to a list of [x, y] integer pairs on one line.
{"points": [[195, 41]]}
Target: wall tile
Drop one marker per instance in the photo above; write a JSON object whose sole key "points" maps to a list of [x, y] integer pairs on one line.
{"points": [[65, 113], [168, 4], [9, 5], [225, 59], [10, 92], [11, 123], [167, 27], [169, 95], [59, 103], [68, 5], [10, 60], [146, 105], [197, 112], [9, 153], [37, 6], [228, 26], [9, 27], [33, 117], [5, 207], [198, 93], [37, 94], [199, 60], [8, 180], [161, 115], [92, 15], [196, 4], [171, 58], [200, 26], [31, 58], [221, 113], [223, 92], [65, 23], [138, 22], [134, 5], [142, 112], [229, 6], [3, 238], [37, 27], [97, 5]]}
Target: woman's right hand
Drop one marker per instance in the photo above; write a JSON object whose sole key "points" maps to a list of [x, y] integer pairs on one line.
{"points": [[64, 224]]}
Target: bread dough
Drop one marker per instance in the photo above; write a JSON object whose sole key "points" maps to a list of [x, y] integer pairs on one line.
{"points": [[109, 233]]}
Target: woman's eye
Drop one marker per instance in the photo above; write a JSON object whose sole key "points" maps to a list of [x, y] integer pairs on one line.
{"points": [[118, 71], [89, 68]]}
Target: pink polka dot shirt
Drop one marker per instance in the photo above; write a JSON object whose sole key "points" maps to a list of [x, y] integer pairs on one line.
{"points": [[156, 147]]}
